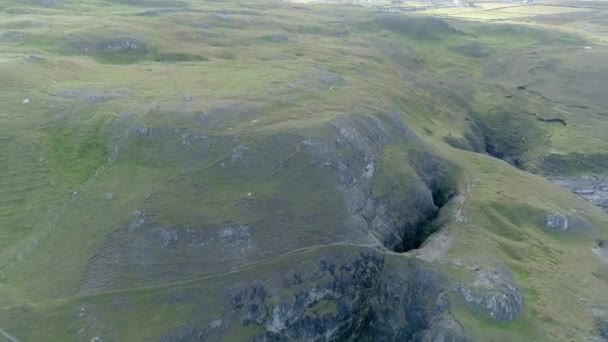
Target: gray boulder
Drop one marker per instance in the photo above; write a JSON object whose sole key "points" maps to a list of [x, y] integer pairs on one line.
{"points": [[556, 221], [563, 223], [494, 293]]}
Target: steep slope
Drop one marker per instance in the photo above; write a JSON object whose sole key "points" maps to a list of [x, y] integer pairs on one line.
{"points": [[183, 171]]}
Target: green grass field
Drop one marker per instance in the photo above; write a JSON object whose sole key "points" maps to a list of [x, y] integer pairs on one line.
{"points": [[202, 117]]}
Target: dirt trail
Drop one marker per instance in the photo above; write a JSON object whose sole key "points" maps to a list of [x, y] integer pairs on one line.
{"points": [[8, 336]]}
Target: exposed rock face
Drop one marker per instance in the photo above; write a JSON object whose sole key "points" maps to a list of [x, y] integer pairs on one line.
{"points": [[345, 296], [363, 297], [445, 329], [494, 292], [386, 217], [298, 316], [591, 188], [602, 329], [143, 244], [348, 159]]}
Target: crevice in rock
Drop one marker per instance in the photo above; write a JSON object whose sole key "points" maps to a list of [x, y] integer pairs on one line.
{"points": [[429, 225], [548, 120], [492, 149], [551, 120]]}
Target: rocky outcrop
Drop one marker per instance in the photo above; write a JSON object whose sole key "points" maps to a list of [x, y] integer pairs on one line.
{"points": [[376, 196], [398, 217], [494, 293], [364, 297], [557, 221], [600, 317], [591, 188]]}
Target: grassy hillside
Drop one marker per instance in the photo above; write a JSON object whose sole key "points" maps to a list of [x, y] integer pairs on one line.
{"points": [[158, 157]]}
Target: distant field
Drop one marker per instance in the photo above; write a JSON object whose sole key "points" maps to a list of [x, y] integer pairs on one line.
{"points": [[472, 13], [499, 11], [589, 18]]}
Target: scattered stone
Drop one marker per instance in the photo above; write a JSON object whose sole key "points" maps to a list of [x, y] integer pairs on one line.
{"points": [[90, 96], [121, 45], [25, 101], [96, 339], [109, 196], [279, 38], [235, 235], [115, 45], [216, 324]]}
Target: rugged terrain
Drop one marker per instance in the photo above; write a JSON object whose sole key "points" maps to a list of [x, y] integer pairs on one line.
{"points": [[272, 171]]}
